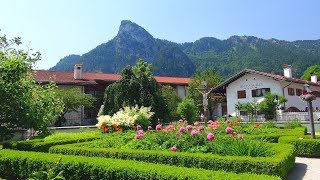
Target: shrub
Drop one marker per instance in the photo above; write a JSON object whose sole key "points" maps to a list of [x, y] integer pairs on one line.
{"points": [[304, 146], [187, 110], [278, 164], [43, 145], [18, 165], [292, 124]]}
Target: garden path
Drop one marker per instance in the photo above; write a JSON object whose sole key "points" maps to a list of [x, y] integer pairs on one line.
{"points": [[305, 169]]}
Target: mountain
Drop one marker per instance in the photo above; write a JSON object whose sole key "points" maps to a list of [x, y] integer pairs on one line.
{"points": [[131, 43], [172, 59]]}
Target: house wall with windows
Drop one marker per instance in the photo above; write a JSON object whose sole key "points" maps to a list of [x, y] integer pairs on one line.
{"points": [[243, 89], [252, 87]]}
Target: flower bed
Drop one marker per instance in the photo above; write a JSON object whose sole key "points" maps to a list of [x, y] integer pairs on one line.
{"points": [[43, 145], [304, 146], [278, 164], [18, 164]]}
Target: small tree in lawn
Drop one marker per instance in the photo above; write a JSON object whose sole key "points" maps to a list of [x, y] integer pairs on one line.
{"points": [[73, 99], [188, 110], [24, 103], [270, 104]]}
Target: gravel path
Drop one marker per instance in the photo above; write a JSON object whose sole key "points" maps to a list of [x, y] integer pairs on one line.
{"points": [[305, 169]]}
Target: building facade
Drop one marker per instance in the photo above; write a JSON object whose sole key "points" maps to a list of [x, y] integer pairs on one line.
{"points": [[250, 85], [95, 84]]}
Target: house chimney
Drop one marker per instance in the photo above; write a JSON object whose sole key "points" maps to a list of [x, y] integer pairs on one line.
{"points": [[287, 71], [314, 78], [77, 71]]}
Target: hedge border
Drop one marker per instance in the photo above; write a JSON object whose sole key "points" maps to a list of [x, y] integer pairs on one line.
{"points": [[274, 137], [278, 164], [40, 145], [21, 164], [303, 147]]}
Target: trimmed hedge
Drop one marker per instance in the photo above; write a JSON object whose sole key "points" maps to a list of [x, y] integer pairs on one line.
{"points": [[274, 137], [40, 145], [18, 164], [305, 147], [278, 164]]}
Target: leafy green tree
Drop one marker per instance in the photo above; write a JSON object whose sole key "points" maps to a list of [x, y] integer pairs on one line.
{"points": [[270, 104], [73, 98], [24, 103], [249, 108], [212, 78], [172, 100], [310, 71], [188, 110], [136, 87]]}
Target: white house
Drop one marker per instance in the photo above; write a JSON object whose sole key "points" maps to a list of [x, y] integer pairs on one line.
{"points": [[250, 85]]}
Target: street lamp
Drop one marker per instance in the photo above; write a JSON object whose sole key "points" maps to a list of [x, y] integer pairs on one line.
{"points": [[205, 92], [309, 97]]}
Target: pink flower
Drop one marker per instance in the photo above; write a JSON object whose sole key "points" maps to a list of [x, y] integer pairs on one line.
{"points": [[240, 136], [181, 120], [228, 121], [200, 128], [182, 129], [234, 134], [185, 121], [194, 132], [209, 122], [189, 127], [149, 127], [138, 136], [210, 136], [138, 127], [158, 127], [228, 130], [174, 148], [140, 132]]}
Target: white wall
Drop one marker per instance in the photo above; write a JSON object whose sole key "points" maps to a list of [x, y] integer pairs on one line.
{"points": [[181, 90], [295, 100], [249, 82]]}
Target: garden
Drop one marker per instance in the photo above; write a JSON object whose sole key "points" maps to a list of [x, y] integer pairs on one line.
{"points": [[134, 138]]}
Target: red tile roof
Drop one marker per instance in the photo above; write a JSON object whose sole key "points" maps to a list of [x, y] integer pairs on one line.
{"points": [[66, 77]]}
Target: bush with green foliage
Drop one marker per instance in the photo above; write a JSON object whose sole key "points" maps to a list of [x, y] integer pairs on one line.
{"points": [[137, 86], [19, 165], [73, 99], [292, 124], [270, 104], [43, 145], [312, 70], [188, 110], [172, 100], [24, 102], [278, 164], [304, 146]]}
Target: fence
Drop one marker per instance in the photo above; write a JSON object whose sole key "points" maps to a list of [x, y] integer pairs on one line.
{"points": [[283, 116]]}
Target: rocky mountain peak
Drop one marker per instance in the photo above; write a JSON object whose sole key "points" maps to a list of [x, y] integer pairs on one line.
{"points": [[133, 31]]}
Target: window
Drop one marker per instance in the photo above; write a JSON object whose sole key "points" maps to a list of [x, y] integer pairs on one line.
{"points": [[260, 92], [298, 92], [291, 91], [242, 94]]}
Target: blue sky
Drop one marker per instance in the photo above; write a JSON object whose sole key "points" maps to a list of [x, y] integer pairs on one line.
{"points": [[58, 28]]}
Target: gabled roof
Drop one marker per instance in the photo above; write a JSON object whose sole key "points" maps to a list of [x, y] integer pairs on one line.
{"points": [[271, 75], [66, 78]]}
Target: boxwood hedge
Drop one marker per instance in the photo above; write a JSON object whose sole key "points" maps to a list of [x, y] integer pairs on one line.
{"points": [[19, 164], [278, 164], [304, 146]]}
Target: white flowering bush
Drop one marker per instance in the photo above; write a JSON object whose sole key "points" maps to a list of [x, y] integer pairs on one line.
{"points": [[125, 118]]}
